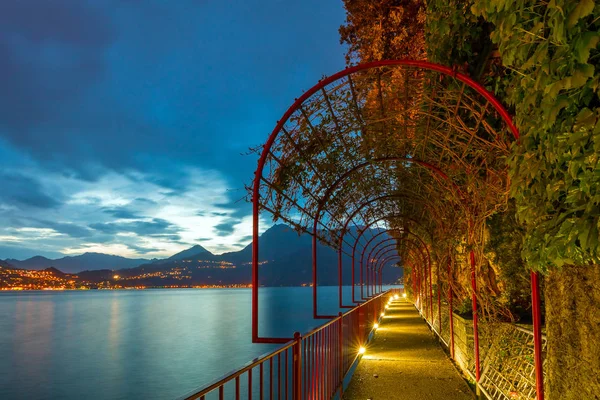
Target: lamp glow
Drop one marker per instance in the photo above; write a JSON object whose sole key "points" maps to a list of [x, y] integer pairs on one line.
{"points": [[396, 296], [404, 295], [382, 314], [386, 307], [361, 350], [375, 325]]}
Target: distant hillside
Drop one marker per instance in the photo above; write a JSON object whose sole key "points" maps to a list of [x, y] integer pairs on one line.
{"points": [[285, 256], [74, 264], [191, 253], [286, 260]]}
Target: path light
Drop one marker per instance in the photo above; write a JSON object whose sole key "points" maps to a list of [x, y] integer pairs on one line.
{"points": [[396, 296], [361, 350], [375, 325], [382, 314], [386, 307], [404, 295]]}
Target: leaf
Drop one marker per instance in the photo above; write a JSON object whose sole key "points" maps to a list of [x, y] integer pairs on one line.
{"points": [[561, 102], [583, 9], [585, 120], [584, 44]]}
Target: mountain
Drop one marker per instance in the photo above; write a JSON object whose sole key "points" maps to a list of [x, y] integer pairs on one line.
{"points": [[285, 255], [191, 253], [285, 260], [74, 264]]}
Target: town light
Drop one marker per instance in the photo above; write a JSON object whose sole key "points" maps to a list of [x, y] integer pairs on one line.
{"points": [[361, 350]]}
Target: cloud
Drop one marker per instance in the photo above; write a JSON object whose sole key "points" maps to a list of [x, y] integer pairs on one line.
{"points": [[25, 192], [122, 213], [68, 229], [109, 138], [143, 250], [226, 228], [141, 228]]}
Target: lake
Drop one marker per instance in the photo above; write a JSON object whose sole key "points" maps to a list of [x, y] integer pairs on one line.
{"points": [[139, 344]]}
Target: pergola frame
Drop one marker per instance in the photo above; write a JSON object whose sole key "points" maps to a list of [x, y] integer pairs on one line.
{"points": [[302, 199]]}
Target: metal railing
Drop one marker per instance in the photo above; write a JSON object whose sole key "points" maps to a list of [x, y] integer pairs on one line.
{"points": [[507, 355], [311, 366]]}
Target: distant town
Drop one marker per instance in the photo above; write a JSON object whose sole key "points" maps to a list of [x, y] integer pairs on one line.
{"points": [[53, 279]]}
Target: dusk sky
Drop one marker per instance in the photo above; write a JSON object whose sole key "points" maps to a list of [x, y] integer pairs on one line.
{"points": [[123, 122]]}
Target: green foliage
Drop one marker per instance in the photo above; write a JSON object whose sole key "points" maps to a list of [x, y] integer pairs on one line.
{"points": [[455, 36], [506, 244], [551, 51]]}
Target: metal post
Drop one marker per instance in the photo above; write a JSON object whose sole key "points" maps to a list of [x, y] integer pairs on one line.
{"points": [[430, 295], [439, 299], [475, 316], [340, 374], [314, 274], [450, 310], [340, 273], [255, 239], [297, 367], [537, 335]]}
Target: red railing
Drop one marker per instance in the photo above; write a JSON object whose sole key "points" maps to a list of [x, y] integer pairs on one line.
{"points": [[312, 366]]}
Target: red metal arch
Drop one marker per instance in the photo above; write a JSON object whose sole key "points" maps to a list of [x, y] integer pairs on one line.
{"points": [[343, 232], [436, 170], [354, 250], [382, 265]]}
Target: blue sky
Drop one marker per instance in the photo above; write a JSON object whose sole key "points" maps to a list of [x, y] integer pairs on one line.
{"points": [[123, 122]]}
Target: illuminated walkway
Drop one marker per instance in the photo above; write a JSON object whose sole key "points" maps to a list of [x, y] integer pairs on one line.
{"points": [[404, 361]]}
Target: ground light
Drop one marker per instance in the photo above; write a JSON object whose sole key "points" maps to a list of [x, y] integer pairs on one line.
{"points": [[382, 314], [386, 307], [396, 296], [404, 295], [375, 325], [361, 350]]}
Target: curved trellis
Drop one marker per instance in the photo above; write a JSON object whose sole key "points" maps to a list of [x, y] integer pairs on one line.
{"points": [[384, 139]]}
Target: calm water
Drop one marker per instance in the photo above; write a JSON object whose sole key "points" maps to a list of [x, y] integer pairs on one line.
{"points": [[152, 344]]}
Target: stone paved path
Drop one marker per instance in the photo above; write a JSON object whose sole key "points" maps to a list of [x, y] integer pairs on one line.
{"points": [[404, 361]]}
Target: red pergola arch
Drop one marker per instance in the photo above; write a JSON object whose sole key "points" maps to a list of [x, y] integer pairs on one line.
{"points": [[328, 134]]}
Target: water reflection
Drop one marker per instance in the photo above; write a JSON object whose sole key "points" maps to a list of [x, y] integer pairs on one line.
{"points": [[152, 344]]}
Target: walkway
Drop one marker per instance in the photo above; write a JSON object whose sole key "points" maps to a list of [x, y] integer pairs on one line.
{"points": [[404, 361]]}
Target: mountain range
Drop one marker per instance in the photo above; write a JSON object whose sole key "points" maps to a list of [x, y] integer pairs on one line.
{"points": [[286, 260]]}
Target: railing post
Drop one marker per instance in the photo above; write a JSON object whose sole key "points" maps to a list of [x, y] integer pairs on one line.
{"points": [[537, 335], [340, 375], [297, 367], [450, 310], [475, 316]]}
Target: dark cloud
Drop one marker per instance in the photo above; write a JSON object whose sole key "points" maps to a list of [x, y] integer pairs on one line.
{"points": [[50, 53], [141, 228], [246, 239], [143, 250], [172, 237], [73, 230], [219, 214], [22, 191], [226, 228], [122, 213]]}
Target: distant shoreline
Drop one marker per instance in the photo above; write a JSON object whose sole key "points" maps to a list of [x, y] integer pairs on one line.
{"points": [[11, 290]]}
